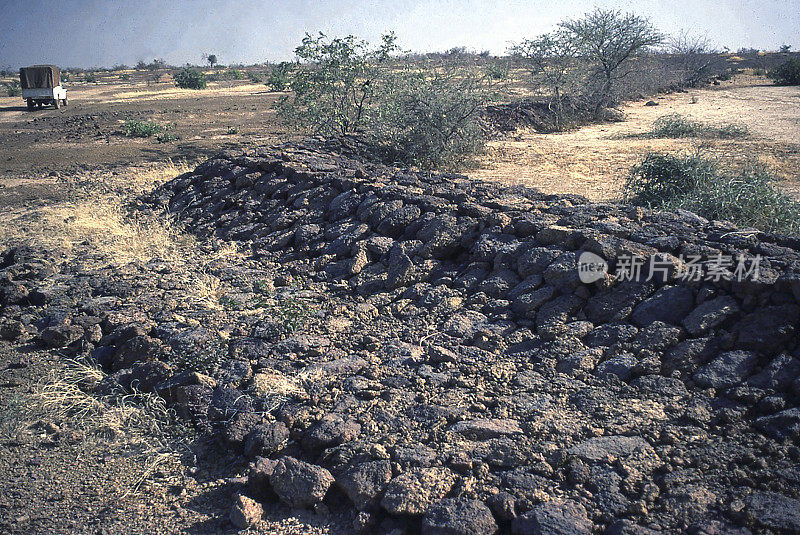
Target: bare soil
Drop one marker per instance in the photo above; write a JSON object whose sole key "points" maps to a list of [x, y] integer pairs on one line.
{"points": [[87, 133], [594, 161]]}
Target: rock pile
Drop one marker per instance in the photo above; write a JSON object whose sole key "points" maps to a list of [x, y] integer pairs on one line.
{"points": [[457, 375]]}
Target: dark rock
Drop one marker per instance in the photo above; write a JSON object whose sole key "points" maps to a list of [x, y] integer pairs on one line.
{"points": [[299, 484], [767, 329], [60, 335], [774, 511], [618, 303], [245, 512], [481, 429], [785, 424], [266, 439], [233, 373], [727, 370], [137, 349], [535, 260], [147, 375], [331, 430], [528, 303], [622, 366], [238, 427], [458, 516], [553, 518], [710, 314], [778, 374], [669, 305], [365, 483], [412, 492]]}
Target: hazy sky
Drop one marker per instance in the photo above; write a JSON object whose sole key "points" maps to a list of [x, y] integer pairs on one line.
{"points": [[85, 33]]}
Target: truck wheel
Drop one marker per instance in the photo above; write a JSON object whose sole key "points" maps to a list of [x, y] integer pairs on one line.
{"points": [[65, 101], [56, 103], [31, 104]]}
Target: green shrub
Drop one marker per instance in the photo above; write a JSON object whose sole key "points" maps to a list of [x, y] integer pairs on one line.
{"points": [[255, 77], [498, 71], [132, 128], [13, 89], [190, 79], [660, 179], [676, 125], [90, 78], [787, 73], [746, 197], [236, 74], [278, 77], [166, 135], [335, 91], [428, 118]]}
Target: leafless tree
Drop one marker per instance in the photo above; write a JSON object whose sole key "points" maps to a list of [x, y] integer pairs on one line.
{"points": [[552, 58], [694, 55]]}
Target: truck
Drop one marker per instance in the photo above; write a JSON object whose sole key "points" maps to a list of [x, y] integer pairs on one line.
{"points": [[41, 85]]}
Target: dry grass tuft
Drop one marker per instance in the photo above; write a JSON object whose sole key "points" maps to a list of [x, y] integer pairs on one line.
{"points": [[140, 423]]}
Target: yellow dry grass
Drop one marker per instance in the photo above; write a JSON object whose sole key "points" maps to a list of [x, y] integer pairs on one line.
{"points": [[139, 421], [595, 160], [98, 217], [214, 88]]}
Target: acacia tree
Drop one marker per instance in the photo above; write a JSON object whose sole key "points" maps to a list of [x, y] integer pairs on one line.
{"points": [[212, 60], [610, 39], [552, 57]]}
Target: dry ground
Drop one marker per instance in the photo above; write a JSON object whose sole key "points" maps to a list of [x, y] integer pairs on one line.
{"points": [[87, 133], [594, 161], [59, 476]]}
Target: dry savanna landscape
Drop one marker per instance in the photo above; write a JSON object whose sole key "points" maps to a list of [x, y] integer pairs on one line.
{"points": [[351, 293]]}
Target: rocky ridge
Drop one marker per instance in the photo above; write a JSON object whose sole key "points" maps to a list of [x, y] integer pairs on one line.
{"points": [[453, 374]]}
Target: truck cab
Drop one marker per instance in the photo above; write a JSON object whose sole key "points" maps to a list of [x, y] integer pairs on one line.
{"points": [[41, 85]]}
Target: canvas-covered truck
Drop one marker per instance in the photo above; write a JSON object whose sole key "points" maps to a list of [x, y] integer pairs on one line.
{"points": [[41, 85]]}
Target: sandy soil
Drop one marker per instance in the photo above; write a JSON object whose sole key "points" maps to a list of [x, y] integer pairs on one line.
{"points": [[594, 161]]}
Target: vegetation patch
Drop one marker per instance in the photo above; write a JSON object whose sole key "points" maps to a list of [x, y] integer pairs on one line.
{"points": [[13, 89], [694, 182], [133, 128], [676, 125], [190, 79], [427, 118], [787, 73]]}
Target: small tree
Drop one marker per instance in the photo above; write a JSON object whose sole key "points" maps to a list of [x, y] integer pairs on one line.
{"points": [[785, 49], [278, 77], [211, 59], [610, 39], [552, 58], [334, 90]]}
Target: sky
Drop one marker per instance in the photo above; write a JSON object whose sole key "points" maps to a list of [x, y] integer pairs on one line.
{"points": [[102, 33]]}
